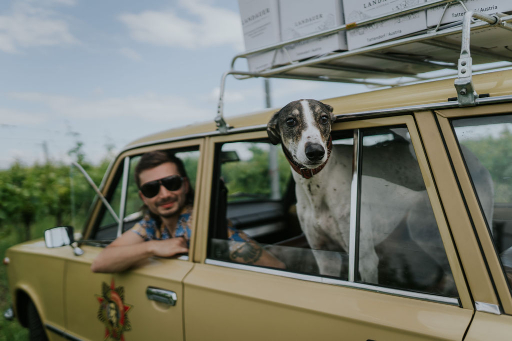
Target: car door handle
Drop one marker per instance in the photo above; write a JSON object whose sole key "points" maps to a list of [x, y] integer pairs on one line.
{"points": [[161, 295]]}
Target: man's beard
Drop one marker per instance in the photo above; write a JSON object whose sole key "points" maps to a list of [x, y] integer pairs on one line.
{"points": [[176, 209]]}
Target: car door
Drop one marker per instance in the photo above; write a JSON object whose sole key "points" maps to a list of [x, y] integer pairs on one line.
{"points": [[420, 294], [145, 302], [481, 136]]}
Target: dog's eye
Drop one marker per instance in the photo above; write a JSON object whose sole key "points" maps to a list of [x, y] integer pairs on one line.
{"points": [[291, 122], [324, 119]]}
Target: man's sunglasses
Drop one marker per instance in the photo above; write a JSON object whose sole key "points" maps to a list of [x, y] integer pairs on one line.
{"points": [[171, 183]]}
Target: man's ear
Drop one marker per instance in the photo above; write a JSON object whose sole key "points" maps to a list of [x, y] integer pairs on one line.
{"points": [[273, 129], [142, 197]]}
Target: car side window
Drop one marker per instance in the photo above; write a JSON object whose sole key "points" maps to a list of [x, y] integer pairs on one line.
{"points": [[391, 238], [255, 199], [486, 146], [399, 241], [133, 206]]}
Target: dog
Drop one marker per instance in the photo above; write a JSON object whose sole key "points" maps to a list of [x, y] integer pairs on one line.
{"points": [[323, 177]]}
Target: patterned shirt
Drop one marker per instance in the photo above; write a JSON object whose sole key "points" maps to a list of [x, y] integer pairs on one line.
{"points": [[148, 230]]}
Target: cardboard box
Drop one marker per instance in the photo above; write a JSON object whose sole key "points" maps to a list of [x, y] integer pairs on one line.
{"points": [[357, 10], [456, 12], [260, 25], [303, 17]]}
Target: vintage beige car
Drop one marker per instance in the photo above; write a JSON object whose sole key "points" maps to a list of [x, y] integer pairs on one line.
{"points": [[205, 296], [443, 272]]}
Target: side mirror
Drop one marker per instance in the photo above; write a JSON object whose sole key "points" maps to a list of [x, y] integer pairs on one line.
{"points": [[58, 236], [61, 236]]}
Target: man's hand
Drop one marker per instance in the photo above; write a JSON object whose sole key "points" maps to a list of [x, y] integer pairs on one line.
{"points": [[168, 247]]}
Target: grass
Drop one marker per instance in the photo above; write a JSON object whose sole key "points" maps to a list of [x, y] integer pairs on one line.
{"points": [[11, 235]]}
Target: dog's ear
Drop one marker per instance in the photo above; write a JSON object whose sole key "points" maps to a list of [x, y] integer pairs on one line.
{"points": [[330, 110], [273, 129]]}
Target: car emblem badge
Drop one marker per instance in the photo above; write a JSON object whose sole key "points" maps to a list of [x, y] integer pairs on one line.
{"points": [[113, 312]]}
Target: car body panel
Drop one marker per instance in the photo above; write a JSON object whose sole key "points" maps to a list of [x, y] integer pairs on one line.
{"points": [[41, 277], [84, 292], [233, 304], [490, 327]]}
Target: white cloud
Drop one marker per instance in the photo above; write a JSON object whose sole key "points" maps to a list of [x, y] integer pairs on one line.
{"points": [[31, 24], [289, 88], [16, 117], [232, 96], [131, 54], [213, 26], [152, 107]]}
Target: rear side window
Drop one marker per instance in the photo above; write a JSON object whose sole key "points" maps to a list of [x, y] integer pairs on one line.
{"points": [[399, 241], [374, 225], [486, 145]]}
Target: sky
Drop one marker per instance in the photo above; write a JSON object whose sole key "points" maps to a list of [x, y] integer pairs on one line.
{"points": [[108, 72]]}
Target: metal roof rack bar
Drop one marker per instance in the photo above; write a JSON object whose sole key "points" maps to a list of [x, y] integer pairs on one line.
{"points": [[362, 50], [465, 89]]}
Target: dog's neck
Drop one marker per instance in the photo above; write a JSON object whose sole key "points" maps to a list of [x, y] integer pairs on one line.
{"points": [[307, 173]]}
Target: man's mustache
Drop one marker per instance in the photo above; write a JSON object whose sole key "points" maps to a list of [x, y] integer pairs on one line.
{"points": [[165, 201]]}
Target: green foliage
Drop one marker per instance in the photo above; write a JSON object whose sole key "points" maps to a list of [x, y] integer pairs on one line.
{"points": [[496, 155], [250, 179], [33, 199]]}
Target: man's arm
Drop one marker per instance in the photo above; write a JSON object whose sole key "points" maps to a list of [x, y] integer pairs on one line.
{"points": [[244, 249], [130, 248]]}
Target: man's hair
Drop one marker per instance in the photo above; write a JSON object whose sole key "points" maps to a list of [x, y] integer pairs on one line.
{"points": [[156, 158]]}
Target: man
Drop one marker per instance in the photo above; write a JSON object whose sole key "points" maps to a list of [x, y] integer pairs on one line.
{"points": [[164, 232]]}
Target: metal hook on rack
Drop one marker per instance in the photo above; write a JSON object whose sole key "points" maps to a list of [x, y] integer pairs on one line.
{"points": [[222, 126], [466, 93]]}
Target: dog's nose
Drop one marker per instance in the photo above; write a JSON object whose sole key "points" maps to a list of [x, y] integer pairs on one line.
{"points": [[314, 151]]}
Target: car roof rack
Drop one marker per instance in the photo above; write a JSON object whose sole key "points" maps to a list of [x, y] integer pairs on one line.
{"points": [[340, 66]]}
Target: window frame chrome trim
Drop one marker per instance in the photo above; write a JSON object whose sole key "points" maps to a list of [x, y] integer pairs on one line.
{"points": [[487, 308], [124, 190], [354, 207], [317, 279]]}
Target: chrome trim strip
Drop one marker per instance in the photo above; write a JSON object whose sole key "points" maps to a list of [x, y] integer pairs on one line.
{"points": [[354, 208], [263, 270], [124, 189], [311, 278], [342, 117], [487, 308], [61, 333]]}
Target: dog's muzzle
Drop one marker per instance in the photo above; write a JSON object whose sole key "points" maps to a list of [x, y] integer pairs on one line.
{"points": [[301, 169], [314, 151]]}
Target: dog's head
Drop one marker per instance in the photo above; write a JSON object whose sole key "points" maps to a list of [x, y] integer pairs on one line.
{"points": [[304, 128]]}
